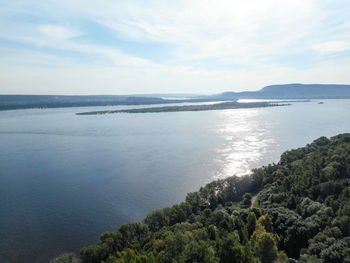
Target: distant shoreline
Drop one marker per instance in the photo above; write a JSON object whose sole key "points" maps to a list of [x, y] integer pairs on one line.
{"points": [[17, 102], [293, 91]]}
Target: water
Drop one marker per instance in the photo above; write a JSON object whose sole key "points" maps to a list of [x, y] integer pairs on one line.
{"points": [[65, 179]]}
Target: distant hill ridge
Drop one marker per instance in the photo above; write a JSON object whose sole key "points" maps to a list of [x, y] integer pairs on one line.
{"points": [[294, 91]]}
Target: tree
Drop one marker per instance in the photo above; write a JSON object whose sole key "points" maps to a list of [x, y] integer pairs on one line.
{"points": [[251, 223], [231, 251], [247, 200], [65, 258], [266, 222], [264, 246]]}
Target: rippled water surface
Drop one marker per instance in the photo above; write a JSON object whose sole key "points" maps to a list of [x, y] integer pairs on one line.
{"points": [[64, 178]]}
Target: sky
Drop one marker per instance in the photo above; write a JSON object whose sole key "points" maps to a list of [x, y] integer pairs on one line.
{"points": [[174, 46]]}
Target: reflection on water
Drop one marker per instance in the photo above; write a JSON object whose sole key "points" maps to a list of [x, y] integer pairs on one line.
{"points": [[246, 141]]}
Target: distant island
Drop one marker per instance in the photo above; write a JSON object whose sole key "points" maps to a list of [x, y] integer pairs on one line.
{"points": [[297, 210], [206, 107], [287, 91]]}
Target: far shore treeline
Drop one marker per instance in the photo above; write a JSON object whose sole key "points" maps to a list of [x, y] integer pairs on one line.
{"points": [[300, 211], [274, 92]]}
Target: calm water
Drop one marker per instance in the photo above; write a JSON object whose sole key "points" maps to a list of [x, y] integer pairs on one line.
{"points": [[64, 179]]}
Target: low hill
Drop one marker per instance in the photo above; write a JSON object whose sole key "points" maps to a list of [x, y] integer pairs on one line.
{"points": [[302, 212], [294, 91]]}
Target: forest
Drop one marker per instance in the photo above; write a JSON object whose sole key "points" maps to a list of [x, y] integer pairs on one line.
{"points": [[297, 210]]}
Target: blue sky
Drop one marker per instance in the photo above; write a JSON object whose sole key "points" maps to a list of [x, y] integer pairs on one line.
{"points": [[131, 46]]}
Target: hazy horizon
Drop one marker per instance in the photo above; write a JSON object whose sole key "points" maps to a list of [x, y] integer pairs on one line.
{"points": [[189, 93]]}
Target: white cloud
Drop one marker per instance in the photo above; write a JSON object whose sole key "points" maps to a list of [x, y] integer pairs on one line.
{"points": [[224, 29], [58, 31], [332, 46], [240, 30], [112, 55]]}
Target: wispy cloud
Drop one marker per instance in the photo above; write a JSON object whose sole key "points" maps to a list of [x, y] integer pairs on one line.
{"points": [[332, 46], [238, 30], [60, 38], [58, 31]]}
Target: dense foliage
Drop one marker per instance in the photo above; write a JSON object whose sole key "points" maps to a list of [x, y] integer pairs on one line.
{"points": [[302, 214]]}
